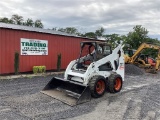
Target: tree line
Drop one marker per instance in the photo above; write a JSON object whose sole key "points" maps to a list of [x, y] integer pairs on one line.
{"points": [[134, 38], [19, 20]]}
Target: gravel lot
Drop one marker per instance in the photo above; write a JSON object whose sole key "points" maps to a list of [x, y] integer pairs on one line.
{"points": [[20, 99]]}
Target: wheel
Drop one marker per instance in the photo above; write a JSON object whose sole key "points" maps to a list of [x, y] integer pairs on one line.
{"points": [[97, 86], [114, 83]]}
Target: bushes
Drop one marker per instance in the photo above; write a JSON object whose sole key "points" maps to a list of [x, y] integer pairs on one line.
{"points": [[58, 62], [35, 69], [42, 69], [39, 69], [16, 62]]}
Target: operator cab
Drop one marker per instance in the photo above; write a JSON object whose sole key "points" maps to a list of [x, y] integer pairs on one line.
{"points": [[129, 52], [91, 52], [144, 57], [97, 50]]}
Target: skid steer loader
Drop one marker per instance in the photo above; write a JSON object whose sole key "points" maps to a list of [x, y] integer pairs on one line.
{"points": [[97, 69]]}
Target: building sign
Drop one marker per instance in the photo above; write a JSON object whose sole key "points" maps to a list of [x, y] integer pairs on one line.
{"points": [[34, 47]]}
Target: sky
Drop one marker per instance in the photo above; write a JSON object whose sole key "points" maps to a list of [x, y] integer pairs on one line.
{"points": [[115, 16]]}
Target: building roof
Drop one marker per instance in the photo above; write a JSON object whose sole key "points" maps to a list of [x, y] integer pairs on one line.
{"points": [[41, 30], [27, 28]]}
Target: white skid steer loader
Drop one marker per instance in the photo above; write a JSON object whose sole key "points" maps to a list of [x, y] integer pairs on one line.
{"points": [[98, 68]]}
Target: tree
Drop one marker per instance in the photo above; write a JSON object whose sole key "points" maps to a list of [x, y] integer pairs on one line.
{"points": [[151, 52], [6, 20], [29, 22], [138, 36], [72, 30], [100, 32], [17, 19], [69, 30], [113, 39], [38, 24], [55, 28], [61, 29], [90, 35]]}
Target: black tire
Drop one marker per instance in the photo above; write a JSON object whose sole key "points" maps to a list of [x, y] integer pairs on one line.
{"points": [[97, 86], [114, 83]]}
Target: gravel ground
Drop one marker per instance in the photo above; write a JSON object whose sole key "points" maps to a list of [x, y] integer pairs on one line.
{"points": [[131, 69], [20, 99]]}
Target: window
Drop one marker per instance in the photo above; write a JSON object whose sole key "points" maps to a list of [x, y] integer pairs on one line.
{"points": [[103, 51]]}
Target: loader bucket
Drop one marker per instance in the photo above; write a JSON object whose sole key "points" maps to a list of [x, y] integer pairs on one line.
{"points": [[66, 91]]}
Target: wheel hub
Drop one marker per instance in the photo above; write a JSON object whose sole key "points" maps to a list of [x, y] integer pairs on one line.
{"points": [[100, 87]]}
